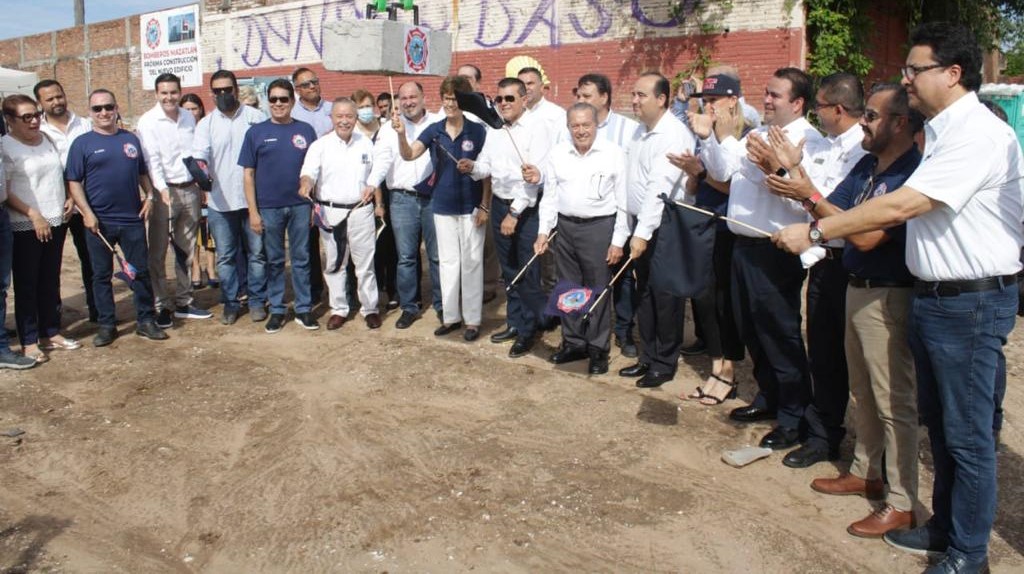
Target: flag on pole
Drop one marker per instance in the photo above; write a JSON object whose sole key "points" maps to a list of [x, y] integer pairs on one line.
{"points": [[569, 299]]}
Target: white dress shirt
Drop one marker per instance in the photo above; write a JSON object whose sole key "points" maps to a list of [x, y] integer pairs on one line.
{"points": [[165, 142], [218, 140], [617, 129], [339, 168], [844, 151], [319, 117], [650, 174], [585, 185], [973, 165], [77, 125], [749, 198], [501, 160], [387, 159]]}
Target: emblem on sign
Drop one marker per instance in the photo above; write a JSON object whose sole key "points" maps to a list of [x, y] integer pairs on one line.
{"points": [[153, 33], [416, 50]]}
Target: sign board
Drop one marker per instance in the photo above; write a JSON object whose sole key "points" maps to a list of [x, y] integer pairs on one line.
{"points": [[170, 44]]}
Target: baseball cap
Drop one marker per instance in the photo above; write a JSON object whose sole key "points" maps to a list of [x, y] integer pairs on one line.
{"points": [[719, 85]]}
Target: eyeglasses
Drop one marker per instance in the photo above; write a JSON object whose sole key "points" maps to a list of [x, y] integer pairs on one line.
{"points": [[103, 108], [308, 83], [222, 91], [818, 105], [501, 99], [27, 118], [279, 99], [909, 72], [872, 115]]}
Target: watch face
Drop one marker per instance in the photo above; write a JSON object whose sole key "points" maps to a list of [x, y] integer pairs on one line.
{"points": [[815, 234]]}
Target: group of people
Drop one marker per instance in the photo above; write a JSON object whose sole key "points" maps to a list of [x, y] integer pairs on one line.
{"points": [[912, 243]]}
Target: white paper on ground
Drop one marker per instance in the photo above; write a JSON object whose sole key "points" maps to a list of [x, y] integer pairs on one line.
{"points": [[744, 456]]}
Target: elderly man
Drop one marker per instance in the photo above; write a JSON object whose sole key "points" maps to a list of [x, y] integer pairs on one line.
{"points": [[650, 174], [585, 195], [963, 207], [336, 167], [166, 132], [411, 189], [105, 170]]}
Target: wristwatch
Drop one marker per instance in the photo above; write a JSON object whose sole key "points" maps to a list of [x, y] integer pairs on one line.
{"points": [[515, 214], [816, 235]]}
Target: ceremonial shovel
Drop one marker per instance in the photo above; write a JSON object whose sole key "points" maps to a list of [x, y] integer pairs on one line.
{"points": [[512, 284]]}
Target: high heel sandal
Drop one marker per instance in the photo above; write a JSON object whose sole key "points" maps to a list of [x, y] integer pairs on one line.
{"points": [[715, 401]]}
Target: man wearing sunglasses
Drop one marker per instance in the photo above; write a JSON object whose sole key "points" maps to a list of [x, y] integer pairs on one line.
{"points": [[218, 141], [166, 132], [963, 207], [272, 155], [105, 169]]}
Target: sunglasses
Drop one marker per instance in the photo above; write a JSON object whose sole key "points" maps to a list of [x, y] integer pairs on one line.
{"points": [[501, 99], [27, 118], [221, 91], [279, 99], [103, 108], [308, 83]]}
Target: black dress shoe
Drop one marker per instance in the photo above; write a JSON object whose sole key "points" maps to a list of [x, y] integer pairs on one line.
{"points": [[750, 414], [598, 365], [781, 438], [471, 334], [521, 347], [637, 370], [105, 336], [628, 347], [509, 334], [446, 329], [653, 379], [568, 355], [811, 453]]}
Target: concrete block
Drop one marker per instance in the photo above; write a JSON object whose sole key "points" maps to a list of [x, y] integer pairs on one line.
{"points": [[385, 47]]}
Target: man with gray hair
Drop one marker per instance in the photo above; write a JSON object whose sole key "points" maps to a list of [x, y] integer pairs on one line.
{"points": [[585, 195]]}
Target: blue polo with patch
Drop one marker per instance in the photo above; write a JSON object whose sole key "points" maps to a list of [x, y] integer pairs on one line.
{"points": [[276, 152], [108, 167], [454, 193]]}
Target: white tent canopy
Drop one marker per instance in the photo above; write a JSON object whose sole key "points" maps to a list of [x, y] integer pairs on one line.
{"points": [[16, 81]]}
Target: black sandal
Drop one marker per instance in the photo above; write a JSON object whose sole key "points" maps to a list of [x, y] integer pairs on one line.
{"points": [[715, 401]]}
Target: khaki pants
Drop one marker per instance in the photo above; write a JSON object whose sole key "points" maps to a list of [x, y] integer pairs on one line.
{"points": [[883, 389], [179, 222]]}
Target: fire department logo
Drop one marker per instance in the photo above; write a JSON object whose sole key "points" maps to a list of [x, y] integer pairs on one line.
{"points": [[299, 142], [153, 33], [416, 50], [467, 146], [130, 151]]}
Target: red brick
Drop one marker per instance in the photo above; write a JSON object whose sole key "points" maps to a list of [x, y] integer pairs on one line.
{"points": [[70, 42], [10, 53], [71, 74], [107, 35], [38, 47]]}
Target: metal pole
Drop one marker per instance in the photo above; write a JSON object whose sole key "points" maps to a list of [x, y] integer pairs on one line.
{"points": [[79, 12]]}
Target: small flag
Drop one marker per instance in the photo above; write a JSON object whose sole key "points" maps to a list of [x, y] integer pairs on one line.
{"points": [[568, 299], [127, 272], [319, 218]]}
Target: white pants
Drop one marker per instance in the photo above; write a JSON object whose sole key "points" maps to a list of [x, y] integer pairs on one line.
{"points": [[362, 243], [460, 254]]}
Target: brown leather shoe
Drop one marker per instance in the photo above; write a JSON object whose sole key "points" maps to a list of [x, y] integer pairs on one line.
{"points": [[335, 322], [373, 321], [881, 521], [847, 484]]}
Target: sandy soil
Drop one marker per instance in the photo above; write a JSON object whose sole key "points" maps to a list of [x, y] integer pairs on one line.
{"points": [[226, 449]]}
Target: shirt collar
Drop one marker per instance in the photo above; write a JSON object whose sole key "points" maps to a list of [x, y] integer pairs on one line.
{"points": [[953, 113], [161, 115], [849, 139], [598, 145]]}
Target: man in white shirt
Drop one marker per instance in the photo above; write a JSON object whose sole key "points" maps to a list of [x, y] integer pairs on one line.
{"points": [[963, 207], [514, 211], [649, 175], [314, 110], [585, 196], [218, 140], [596, 90], [62, 126], [166, 133], [766, 281], [410, 186], [334, 177]]}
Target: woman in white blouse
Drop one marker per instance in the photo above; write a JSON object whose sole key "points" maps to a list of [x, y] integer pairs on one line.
{"points": [[39, 207]]}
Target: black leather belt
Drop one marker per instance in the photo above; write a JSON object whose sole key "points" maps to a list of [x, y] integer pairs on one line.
{"points": [[574, 219], [954, 288], [873, 283], [412, 193], [338, 205], [182, 185], [833, 252]]}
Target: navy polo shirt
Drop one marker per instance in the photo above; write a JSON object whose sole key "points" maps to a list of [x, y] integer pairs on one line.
{"points": [[454, 193], [108, 167], [887, 261], [277, 151]]}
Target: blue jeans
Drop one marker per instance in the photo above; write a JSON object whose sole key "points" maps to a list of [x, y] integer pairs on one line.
{"points": [[232, 235], [412, 218], [293, 220], [6, 260], [957, 344], [132, 241], [526, 301]]}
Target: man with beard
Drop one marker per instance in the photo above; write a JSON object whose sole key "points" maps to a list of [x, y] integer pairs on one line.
{"points": [[62, 126], [877, 308], [218, 141]]}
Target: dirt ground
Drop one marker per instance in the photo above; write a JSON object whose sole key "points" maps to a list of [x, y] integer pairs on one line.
{"points": [[229, 450]]}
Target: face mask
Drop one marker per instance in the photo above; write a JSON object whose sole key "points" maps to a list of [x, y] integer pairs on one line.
{"points": [[366, 115], [227, 102]]}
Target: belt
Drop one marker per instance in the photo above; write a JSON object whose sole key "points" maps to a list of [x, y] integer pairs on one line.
{"points": [[744, 240], [872, 283], [338, 205], [954, 288], [833, 252], [182, 185], [505, 201], [412, 193], [574, 219]]}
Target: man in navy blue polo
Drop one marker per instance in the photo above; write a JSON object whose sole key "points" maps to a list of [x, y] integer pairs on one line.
{"points": [[105, 168]]}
